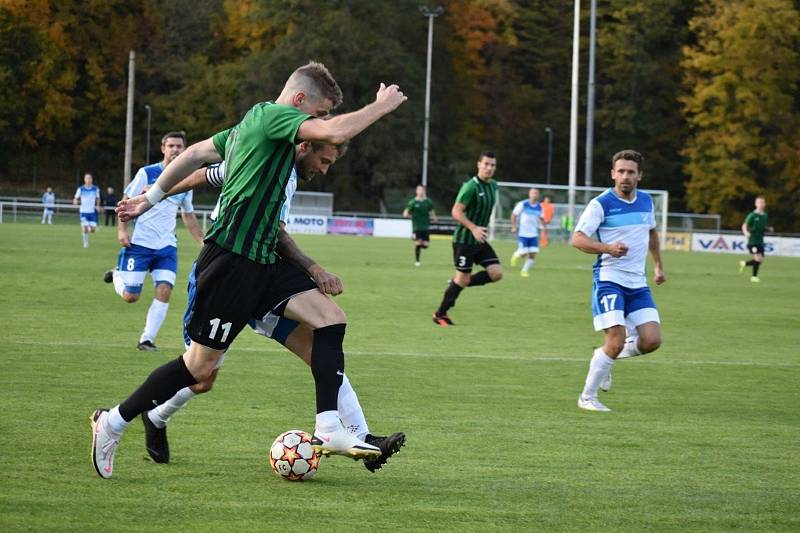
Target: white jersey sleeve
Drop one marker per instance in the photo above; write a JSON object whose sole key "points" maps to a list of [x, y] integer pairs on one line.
{"points": [[518, 208], [137, 184], [591, 218], [291, 188], [186, 202], [77, 193]]}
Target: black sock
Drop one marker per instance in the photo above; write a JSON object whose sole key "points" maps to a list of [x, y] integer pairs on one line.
{"points": [[756, 265], [160, 386], [751, 262], [450, 297], [481, 278], [416, 252], [327, 365]]}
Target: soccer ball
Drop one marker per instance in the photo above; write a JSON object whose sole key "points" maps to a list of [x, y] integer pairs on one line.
{"points": [[292, 457]]}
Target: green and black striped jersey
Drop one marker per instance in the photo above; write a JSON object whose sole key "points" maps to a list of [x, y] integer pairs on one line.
{"points": [[259, 154], [479, 197]]}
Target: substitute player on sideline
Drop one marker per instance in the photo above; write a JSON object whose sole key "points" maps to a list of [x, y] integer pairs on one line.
{"points": [[472, 210], [755, 225], [311, 159], [153, 246], [420, 210], [528, 213], [89, 197], [239, 275], [624, 220]]}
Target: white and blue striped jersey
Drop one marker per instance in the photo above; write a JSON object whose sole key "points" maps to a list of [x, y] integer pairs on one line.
{"points": [[88, 196], [528, 218], [156, 228], [629, 222], [215, 176]]}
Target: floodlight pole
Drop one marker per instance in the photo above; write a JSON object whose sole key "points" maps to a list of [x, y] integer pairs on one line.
{"points": [[147, 150], [590, 96], [549, 132], [129, 119], [431, 13], [573, 123]]}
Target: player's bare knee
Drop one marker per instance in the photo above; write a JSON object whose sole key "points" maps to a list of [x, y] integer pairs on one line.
{"points": [[334, 315], [130, 297], [650, 343], [203, 386], [613, 348], [163, 292], [496, 275]]}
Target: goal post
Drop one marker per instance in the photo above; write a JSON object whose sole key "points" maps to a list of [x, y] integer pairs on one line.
{"points": [[559, 228]]}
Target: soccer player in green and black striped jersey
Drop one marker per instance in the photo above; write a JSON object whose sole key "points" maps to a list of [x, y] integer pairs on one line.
{"points": [[238, 274], [420, 210], [472, 210], [755, 225]]}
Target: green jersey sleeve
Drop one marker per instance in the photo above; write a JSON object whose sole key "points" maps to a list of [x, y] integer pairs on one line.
{"points": [[466, 194], [410, 206], [219, 140], [281, 122], [748, 220]]}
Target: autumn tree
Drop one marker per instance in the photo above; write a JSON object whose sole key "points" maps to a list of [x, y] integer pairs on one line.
{"points": [[742, 81]]}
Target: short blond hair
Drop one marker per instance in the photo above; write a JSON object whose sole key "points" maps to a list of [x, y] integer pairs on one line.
{"points": [[317, 82]]}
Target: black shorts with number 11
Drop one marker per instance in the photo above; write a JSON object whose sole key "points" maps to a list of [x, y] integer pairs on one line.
{"points": [[232, 289]]}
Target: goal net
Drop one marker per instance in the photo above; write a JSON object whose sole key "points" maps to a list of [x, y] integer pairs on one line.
{"points": [[559, 227]]}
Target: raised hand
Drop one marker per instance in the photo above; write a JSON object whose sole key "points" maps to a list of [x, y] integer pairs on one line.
{"points": [[390, 97]]}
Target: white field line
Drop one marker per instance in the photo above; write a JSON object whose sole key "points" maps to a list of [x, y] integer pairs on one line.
{"points": [[654, 359]]}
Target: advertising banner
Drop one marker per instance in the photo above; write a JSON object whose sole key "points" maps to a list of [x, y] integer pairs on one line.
{"points": [[392, 227], [728, 244], [314, 225], [351, 226], [678, 241]]}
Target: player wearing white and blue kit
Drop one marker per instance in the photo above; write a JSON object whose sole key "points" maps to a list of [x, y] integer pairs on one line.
{"points": [[624, 221], [49, 203], [527, 214], [153, 246], [294, 336], [88, 195]]}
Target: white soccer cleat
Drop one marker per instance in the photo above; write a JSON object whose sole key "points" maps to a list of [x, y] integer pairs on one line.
{"points": [[103, 445], [341, 442], [592, 404], [605, 385], [417, 263], [742, 266]]}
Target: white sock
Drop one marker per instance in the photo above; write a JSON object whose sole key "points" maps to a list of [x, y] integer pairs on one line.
{"points": [[115, 424], [85, 239], [161, 414], [631, 349], [599, 369], [155, 317], [528, 264], [328, 421], [350, 410], [119, 285]]}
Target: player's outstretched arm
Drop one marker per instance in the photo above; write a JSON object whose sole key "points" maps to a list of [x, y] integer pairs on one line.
{"points": [[191, 182], [342, 128], [288, 249], [193, 158], [655, 251]]}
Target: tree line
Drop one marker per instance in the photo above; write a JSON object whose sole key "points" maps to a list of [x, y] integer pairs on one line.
{"points": [[707, 90]]}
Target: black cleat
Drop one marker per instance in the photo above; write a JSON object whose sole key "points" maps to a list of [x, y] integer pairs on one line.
{"points": [[442, 320], [108, 276], [155, 440], [146, 346], [389, 446]]}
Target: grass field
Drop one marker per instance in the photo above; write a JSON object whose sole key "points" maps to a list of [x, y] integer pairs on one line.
{"points": [[704, 435]]}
